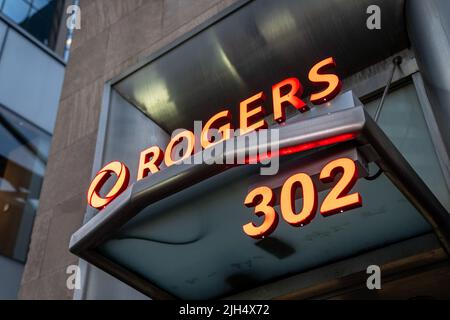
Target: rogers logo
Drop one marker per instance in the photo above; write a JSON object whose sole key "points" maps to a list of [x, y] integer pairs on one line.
{"points": [[219, 128], [94, 198]]}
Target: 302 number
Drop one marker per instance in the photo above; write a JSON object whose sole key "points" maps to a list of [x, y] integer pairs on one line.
{"points": [[337, 200]]}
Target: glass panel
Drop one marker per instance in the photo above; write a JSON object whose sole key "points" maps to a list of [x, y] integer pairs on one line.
{"points": [[10, 276], [17, 10], [40, 22], [23, 156], [2, 31], [403, 122], [39, 4], [39, 17], [192, 243], [42, 83]]}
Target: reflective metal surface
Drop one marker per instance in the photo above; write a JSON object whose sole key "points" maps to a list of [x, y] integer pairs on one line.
{"points": [[177, 233], [179, 177], [255, 47]]}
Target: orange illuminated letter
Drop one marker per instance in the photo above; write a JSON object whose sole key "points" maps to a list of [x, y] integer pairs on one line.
{"points": [[338, 200], [287, 201], [331, 80], [123, 177], [149, 161], [224, 129], [246, 114], [281, 100], [262, 198], [190, 139]]}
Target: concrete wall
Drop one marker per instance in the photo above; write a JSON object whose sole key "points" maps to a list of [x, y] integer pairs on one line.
{"points": [[114, 35]]}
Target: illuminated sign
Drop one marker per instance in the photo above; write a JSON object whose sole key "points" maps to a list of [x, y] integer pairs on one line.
{"points": [[251, 118], [151, 234], [123, 178], [338, 200]]}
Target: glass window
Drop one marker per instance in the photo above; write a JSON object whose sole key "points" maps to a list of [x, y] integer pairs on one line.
{"points": [[41, 18], [17, 10], [23, 157], [403, 122], [39, 4]]}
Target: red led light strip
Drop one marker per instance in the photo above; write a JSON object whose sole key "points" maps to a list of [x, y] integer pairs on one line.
{"points": [[304, 146]]}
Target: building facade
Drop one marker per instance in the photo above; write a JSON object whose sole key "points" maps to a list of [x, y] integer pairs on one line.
{"points": [[141, 69]]}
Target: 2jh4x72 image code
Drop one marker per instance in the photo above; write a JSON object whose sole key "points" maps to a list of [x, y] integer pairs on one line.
{"points": [[225, 310]]}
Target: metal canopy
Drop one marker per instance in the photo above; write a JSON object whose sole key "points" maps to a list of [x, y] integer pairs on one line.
{"points": [[252, 48], [167, 250], [91, 242]]}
